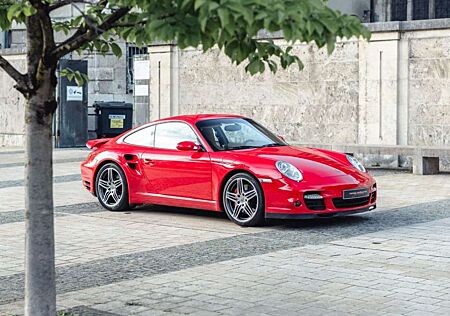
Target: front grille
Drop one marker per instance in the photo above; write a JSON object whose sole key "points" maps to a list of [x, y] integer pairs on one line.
{"points": [[315, 204], [349, 203]]}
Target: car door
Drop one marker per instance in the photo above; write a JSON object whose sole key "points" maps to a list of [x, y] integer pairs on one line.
{"points": [[172, 173]]}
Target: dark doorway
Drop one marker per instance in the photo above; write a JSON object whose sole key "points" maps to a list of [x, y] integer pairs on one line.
{"points": [[71, 125]]}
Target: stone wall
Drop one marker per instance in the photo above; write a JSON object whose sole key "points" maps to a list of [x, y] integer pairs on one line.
{"points": [[429, 90], [12, 105], [108, 82], [392, 90], [319, 104]]}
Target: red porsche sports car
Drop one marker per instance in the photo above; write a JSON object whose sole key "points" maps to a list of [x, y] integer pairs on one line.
{"points": [[224, 163]]}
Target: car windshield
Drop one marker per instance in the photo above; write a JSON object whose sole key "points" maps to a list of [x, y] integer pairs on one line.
{"points": [[237, 133]]}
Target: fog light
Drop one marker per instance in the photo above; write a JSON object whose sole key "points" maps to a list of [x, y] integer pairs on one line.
{"points": [[297, 203], [313, 196]]}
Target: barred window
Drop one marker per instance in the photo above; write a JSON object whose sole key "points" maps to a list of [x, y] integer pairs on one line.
{"points": [[421, 9], [399, 9], [442, 9], [132, 50]]}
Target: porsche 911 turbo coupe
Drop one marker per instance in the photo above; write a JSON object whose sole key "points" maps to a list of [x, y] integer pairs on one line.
{"points": [[224, 163]]}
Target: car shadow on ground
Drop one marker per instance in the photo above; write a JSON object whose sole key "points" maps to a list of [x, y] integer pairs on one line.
{"points": [[318, 222], [269, 223], [370, 221]]}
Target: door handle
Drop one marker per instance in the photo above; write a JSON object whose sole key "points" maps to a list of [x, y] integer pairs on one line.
{"points": [[148, 161]]}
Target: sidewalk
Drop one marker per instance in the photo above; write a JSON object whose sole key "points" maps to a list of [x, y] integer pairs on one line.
{"points": [[167, 261]]}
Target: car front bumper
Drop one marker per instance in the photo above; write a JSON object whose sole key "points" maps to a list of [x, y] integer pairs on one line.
{"points": [[327, 214], [287, 199]]}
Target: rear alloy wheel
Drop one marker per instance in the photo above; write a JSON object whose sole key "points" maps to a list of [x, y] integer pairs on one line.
{"points": [[111, 187], [243, 200]]}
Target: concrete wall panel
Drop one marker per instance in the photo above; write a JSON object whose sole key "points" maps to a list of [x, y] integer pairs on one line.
{"points": [[12, 106]]}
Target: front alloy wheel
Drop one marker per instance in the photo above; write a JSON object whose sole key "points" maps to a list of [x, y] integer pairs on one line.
{"points": [[243, 200], [111, 188]]}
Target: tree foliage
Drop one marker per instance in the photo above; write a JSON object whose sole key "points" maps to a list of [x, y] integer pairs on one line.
{"points": [[232, 25]]}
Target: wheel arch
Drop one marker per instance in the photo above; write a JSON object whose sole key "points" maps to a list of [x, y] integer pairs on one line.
{"points": [[228, 176], [99, 166]]}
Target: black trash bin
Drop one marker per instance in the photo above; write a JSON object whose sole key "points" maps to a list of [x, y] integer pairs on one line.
{"points": [[113, 118]]}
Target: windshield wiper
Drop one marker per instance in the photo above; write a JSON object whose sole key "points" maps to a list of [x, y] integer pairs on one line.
{"points": [[272, 145], [249, 146], [241, 147]]}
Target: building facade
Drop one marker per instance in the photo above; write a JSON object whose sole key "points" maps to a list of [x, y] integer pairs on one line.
{"points": [[393, 90]]}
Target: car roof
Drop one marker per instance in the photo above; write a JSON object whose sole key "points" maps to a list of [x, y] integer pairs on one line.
{"points": [[194, 118]]}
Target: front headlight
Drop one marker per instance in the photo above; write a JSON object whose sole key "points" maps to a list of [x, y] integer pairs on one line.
{"points": [[289, 170], [356, 163]]}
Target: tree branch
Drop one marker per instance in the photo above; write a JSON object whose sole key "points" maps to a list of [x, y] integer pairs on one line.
{"points": [[90, 33], [118, 25], [47, 34], [40, 41], [84, 28], [19, 78], [34, 48]]}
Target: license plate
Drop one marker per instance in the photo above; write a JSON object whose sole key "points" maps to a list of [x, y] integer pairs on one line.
{"points": [[355, 193]]}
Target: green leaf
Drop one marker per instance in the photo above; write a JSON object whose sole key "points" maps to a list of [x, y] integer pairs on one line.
{"points": [[78, 78], [13, 10], [185, 4], [224, 16], [213, 6], [272, 65], [199, 3], [255, 66], [29, 11], [117, 51], [203, 23], [331, 42]]}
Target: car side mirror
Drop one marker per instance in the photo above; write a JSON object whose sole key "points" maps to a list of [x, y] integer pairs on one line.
{"points": [[188, 146]]}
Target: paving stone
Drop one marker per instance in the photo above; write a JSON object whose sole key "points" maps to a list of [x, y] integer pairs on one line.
{"points": [[166, 261]]}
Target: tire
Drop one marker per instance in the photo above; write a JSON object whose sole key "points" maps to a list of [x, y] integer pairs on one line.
{"points": [[113, 196], [247, 208]]}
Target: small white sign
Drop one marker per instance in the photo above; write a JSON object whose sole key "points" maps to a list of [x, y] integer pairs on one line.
{"points": [[140, 90], [141, 69], [116, 117], [74, 93]]}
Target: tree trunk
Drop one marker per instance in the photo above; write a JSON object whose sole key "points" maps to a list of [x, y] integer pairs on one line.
{"points": [[40, 293]]}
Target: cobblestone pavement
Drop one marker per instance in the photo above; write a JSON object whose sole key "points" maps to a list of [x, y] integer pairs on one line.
{"points": [[165, 261]]}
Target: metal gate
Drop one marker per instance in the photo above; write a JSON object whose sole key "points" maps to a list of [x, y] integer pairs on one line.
{"points": [[72, 115]]}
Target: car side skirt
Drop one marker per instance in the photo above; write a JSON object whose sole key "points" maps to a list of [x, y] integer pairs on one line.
{"points": [[178, 201]]}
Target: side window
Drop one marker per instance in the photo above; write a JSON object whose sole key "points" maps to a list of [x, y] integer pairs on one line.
{"points": [[143, 137], [168, 135]]}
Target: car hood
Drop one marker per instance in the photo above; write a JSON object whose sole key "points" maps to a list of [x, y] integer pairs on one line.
{"points": [[310, 161]]}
